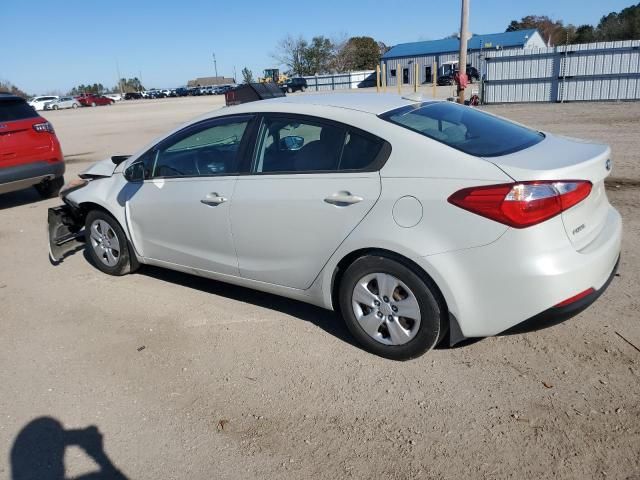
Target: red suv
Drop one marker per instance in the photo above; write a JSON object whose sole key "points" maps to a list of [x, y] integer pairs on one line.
{"points": [[30, 153], [91, 100]]}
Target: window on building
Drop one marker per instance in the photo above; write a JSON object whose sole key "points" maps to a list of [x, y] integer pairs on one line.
{"points": [[392, 72]]}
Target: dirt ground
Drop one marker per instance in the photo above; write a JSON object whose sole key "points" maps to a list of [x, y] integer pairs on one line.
{"points": [[188, 378]]}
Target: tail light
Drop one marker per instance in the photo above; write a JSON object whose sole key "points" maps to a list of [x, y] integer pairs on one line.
{"points": [[522, 204], [43, 127]]}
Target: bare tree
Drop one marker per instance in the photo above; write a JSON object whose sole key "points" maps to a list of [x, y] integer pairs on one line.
{"points": [[290, 52]]}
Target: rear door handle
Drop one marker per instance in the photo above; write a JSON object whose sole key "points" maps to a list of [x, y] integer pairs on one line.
{"points": [[342, 199], [213, 199]]}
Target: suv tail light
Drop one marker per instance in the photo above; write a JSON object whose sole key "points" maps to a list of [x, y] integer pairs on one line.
{"points": [[43, 127], [522, 204]]}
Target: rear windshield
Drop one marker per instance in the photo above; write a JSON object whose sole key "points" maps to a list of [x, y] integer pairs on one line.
{"points": [[466, 129], [15, 110]]}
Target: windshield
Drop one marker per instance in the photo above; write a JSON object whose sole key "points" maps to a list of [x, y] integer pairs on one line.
{"points": [[466, 129]]}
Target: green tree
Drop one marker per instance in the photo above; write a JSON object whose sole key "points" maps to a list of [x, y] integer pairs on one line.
{"points": [[247, 75], [553, 31], [129, 85], [364, 53], [317, 56]]}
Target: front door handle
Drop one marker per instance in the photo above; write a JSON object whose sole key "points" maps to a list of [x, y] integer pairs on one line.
{"points": [[342, 199], [213, 199]]}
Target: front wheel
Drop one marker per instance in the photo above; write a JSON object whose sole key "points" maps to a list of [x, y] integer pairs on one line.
{"points": [[93, 104], [390, 309], [107, 244], [75, 105]]}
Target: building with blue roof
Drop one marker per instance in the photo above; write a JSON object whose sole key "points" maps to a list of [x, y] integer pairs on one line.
{"points": [[401, 59]]}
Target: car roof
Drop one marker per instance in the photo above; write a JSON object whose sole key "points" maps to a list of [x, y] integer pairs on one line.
{"points": [[8, 97], [374, 103]]}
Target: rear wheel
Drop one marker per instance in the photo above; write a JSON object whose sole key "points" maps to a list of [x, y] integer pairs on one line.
{"points": [[289, 90], [93, 104], [107, 244], [75, 105], [55, 107], [390, 309], [50, 188]]}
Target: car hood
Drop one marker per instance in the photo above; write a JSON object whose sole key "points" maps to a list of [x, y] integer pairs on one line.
{"points": [[103, 168]]}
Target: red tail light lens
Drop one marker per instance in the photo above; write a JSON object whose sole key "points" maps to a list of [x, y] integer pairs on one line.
{"points": [[43, 127], [522, 204]]}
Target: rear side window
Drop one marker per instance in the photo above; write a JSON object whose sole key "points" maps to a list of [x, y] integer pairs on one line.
{"points": [[466, 129], [295, 145], [15, 110]]}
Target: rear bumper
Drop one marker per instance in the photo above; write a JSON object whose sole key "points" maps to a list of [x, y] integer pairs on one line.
{"points": [[523, 274], [23, 176], [556, 315]]}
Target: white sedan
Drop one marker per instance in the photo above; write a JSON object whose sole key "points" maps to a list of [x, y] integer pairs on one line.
{"points": [[62, 103], [415, 219], [38, 103]]}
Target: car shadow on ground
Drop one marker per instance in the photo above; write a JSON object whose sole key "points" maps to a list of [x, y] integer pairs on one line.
{"points": [[39, 449], [327, 320], [19, 198]]}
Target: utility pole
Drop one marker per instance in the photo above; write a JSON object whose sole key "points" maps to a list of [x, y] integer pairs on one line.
{"points": [[234, 74], [464, 33], [119, 77], [215, 64]]}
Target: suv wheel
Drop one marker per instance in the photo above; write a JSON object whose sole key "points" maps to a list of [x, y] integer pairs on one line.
{"points": [[50, 188], [392, 311], [289, 90]]}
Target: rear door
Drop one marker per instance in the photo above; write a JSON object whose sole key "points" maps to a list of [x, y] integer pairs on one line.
{"points": [[311, 183], [19, 142]]}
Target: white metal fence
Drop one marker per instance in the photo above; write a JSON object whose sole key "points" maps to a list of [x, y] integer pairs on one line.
{"points": [[590, 71], [338, 81]]}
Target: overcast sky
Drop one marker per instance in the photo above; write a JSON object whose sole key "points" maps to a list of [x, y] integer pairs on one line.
{"points": [[57, 44]]}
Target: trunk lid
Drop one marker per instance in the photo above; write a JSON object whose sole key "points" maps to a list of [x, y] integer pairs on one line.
{"points": [[562, 158]]}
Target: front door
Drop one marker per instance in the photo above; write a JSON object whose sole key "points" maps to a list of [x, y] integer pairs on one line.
{"points": [[405, 75], [311, 183], [180, 213]]}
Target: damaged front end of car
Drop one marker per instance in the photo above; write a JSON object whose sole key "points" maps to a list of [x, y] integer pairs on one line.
{"points": [[65, 222]]}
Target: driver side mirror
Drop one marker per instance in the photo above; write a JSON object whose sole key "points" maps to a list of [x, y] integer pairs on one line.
{"points": [[135, 172], [291, 143]]}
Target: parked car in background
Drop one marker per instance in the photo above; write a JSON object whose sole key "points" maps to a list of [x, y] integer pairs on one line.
{"points": [[298, 84], [449, 77], [30, 154], [182, 92], [132, 96], [411, 218], [221, 89], [114, 96], [92, 100], [39, 102], [61, 103]]}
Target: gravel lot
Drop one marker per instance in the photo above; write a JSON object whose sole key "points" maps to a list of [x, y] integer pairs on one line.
{"points": [[190, 378]]}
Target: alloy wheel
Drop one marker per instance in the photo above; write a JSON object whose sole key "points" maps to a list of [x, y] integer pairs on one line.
{"points": [[386, 309], [104, 242]]}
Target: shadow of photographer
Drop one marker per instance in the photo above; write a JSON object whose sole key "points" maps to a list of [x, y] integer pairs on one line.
{"points": [[38, 452]]}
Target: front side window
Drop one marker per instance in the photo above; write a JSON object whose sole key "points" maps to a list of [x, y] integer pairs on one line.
{"points": [[466, 129], [211, 150], [300, 145]]}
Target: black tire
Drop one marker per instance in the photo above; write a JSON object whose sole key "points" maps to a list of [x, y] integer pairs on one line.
{"points": [[55, 107], [126, 263], [50, 188], [289, 90], [433, 312], [75, 105]]}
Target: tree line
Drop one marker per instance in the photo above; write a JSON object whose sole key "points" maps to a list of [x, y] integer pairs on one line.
{"points": [[622, 25], [322, 55]]}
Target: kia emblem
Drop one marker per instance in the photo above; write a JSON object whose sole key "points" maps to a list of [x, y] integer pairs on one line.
{"points": [[608, 164]]}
